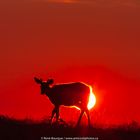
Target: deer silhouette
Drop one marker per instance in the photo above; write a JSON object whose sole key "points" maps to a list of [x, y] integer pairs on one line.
{"points": [[69, 94]]}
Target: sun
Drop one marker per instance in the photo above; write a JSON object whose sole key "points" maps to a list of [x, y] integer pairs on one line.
{"points": [[92, 99]]}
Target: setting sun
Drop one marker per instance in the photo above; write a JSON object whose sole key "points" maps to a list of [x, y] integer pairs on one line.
{"points": [[92, 99]]}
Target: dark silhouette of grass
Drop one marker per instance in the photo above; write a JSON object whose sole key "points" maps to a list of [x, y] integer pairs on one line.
{"points": [[12, 129]]}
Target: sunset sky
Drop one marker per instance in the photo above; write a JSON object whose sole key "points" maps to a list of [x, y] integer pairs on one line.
{"points": [[94, 41]]}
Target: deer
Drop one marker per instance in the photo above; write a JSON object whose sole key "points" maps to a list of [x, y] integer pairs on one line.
{"points": [[67, 94]]}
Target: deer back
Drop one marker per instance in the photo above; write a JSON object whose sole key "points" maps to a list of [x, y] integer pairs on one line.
{"points": [[70, 94]]}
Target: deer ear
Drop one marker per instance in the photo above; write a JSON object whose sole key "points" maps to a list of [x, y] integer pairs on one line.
{"points": [[50, 81], [38, 81]]}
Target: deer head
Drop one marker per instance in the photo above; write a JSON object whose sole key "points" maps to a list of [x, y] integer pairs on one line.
{"points": [[44, 85]]}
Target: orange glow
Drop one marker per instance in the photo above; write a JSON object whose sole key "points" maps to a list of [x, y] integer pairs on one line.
{"points": [[92, 99], [76, 107], [62, 1]]}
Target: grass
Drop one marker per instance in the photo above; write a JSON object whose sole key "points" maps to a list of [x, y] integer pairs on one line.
{"points": [[12, 129]]}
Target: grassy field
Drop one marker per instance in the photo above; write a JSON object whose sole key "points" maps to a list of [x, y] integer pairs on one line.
{"points": [[12, 129]]}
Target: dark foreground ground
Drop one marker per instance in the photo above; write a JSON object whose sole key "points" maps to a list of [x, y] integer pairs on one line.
{"points": [[11, 129]]}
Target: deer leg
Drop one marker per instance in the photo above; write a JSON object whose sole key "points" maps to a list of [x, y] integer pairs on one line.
{"points": [[82, 112], [53, 113], [57, 113], [88, 116]]}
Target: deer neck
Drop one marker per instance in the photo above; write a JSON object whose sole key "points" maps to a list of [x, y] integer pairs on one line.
{"points": [[48, 91]]}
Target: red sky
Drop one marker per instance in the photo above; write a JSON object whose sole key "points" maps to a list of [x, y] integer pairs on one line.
{"points": [[91, 41]]}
